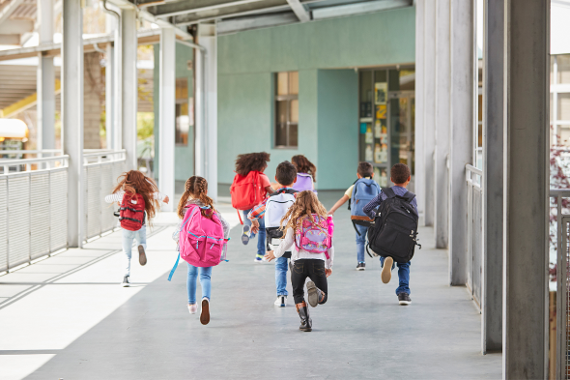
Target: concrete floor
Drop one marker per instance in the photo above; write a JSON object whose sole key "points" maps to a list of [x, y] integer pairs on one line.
{"points": [[66, 317]]}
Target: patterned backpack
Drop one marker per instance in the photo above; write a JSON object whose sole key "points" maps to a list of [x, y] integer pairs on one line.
{"points": [[314, 237]]}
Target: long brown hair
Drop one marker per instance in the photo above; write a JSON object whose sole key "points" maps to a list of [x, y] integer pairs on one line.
{"points": [[246, 163], [305, 206], [303, 165], [196, 187], [134, 182]]}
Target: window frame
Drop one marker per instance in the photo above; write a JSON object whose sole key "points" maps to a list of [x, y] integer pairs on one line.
{"points": [[276, 123]]}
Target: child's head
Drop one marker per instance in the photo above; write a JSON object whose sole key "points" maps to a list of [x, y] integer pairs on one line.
{"points": [[197, 188], [303, 165], [364, 170], [135, 182], [305, 205], [400, 174], [251, 161], [286, 174]]}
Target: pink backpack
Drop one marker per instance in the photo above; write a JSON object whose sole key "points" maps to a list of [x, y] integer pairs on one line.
{"points": [[201, 239], [315, 237]]}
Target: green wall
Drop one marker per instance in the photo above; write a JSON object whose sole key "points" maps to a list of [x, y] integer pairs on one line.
{"points": [[183, 155], [328, 99]]}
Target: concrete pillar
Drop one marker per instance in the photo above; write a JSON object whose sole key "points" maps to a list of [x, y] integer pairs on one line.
{"points": [[110, 97], [200, 112], [167, 113], [420, 126], [129, 90], [461, 138], [208, 39], [526, 189], [45, 79], [493, 115], [429, 110], [442, 125], [72, 117]]}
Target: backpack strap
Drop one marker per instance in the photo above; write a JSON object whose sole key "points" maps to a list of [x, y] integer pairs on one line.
{"points": [[388, 192], [409, 196], [174, 267]]}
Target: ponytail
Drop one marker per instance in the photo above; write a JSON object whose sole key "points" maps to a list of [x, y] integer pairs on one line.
{"points": [[196, 187]]}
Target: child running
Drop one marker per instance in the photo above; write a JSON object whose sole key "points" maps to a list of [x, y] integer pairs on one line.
{"points": [[196, 194], [360, 194], [272, 210], [245, 164], [139, 198], [308, 228], [306, 173]]}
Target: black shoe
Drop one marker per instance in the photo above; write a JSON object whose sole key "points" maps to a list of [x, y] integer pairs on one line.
{"points": [[126, 282], [306, 323], [361, 266], [404, 299], [315, 295], [142, 255]]}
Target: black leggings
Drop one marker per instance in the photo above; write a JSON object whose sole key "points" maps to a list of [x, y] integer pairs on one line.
{"points": [[315, 270]]}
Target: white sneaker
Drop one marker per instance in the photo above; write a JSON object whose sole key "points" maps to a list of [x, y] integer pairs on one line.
{"points": [[281, 301], [192, 308]]}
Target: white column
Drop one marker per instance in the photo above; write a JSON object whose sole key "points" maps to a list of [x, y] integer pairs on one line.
{"points": [[442, 125], [129, 91], [208, 39], [200, 57], [526, 189], [45, 79], [72, 117], [429, 110], [110, 95], [462, 100], [420, 126], [167, 113], [493, 115]]}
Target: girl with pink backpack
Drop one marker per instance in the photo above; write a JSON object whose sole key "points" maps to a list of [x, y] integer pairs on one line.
{"points": [[306, 173], [308, 227], [202, 240]]}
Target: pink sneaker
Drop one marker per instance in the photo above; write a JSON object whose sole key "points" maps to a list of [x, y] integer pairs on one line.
{"points": [[192, 308]]}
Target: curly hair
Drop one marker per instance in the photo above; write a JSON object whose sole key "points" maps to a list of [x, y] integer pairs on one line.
{"points": [[134, 182], [196, 187], [246, 163], [306, 205], [303, 165]]}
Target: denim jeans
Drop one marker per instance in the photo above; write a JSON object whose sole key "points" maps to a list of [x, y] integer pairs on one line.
{"points": [[403, 276], [360, 242], [128, 237], [205, 282], [261, 233], [281, 267]]}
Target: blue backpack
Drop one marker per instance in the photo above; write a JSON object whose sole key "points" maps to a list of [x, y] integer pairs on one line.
{"points": [[364, 191]]}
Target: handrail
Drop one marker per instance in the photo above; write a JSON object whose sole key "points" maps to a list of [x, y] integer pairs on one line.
{"points": [[20, 151], [23, 161], [474, 170], [560, 192], [104, 153]]}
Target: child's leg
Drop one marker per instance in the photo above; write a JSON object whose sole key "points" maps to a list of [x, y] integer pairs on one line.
{"points": [[191, 283], [298, 276], [360, 242], [261, 238], [128, 237], [281, 276], [404, 277], [246, 223], [318, 275], [141, 237], [206, 282]]}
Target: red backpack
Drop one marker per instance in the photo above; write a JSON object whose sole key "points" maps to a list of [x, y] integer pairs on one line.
{"points": [[131, 213], [246, 191]]}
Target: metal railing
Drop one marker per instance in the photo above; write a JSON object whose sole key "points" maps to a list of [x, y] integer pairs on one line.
{"points": [[474, 231], [101, 172], [33, 209]]}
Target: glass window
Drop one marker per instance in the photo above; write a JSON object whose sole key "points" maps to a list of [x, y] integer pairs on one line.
{"points": [[183, 120], [563, 106], [286, 109], [563, 68]]}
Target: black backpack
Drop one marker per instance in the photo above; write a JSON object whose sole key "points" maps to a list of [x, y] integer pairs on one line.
{"points": [[395, 229]]}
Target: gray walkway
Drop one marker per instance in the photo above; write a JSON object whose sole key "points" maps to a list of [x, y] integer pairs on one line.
{"points": [[361, 332]]}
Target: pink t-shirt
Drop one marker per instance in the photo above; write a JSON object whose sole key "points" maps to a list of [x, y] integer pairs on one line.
{"points": [[264, 183]]}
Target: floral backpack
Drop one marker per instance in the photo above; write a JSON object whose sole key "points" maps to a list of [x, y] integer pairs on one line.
{"points": [[315, 237]]}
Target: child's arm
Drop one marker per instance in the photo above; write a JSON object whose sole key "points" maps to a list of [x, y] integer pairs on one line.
{"points": [[117, 197], [329, 261], [283, 247], [161, 197], [339, 203], [370, 208], [256, 213]]}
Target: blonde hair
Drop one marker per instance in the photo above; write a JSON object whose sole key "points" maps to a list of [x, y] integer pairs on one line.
{"points": [[305, 206], [196, 187]]}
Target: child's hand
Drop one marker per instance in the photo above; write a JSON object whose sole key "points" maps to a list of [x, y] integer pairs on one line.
{"points": [[255, 226], [331, 212], [328, 272], [166, 199], [269, 256]]}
